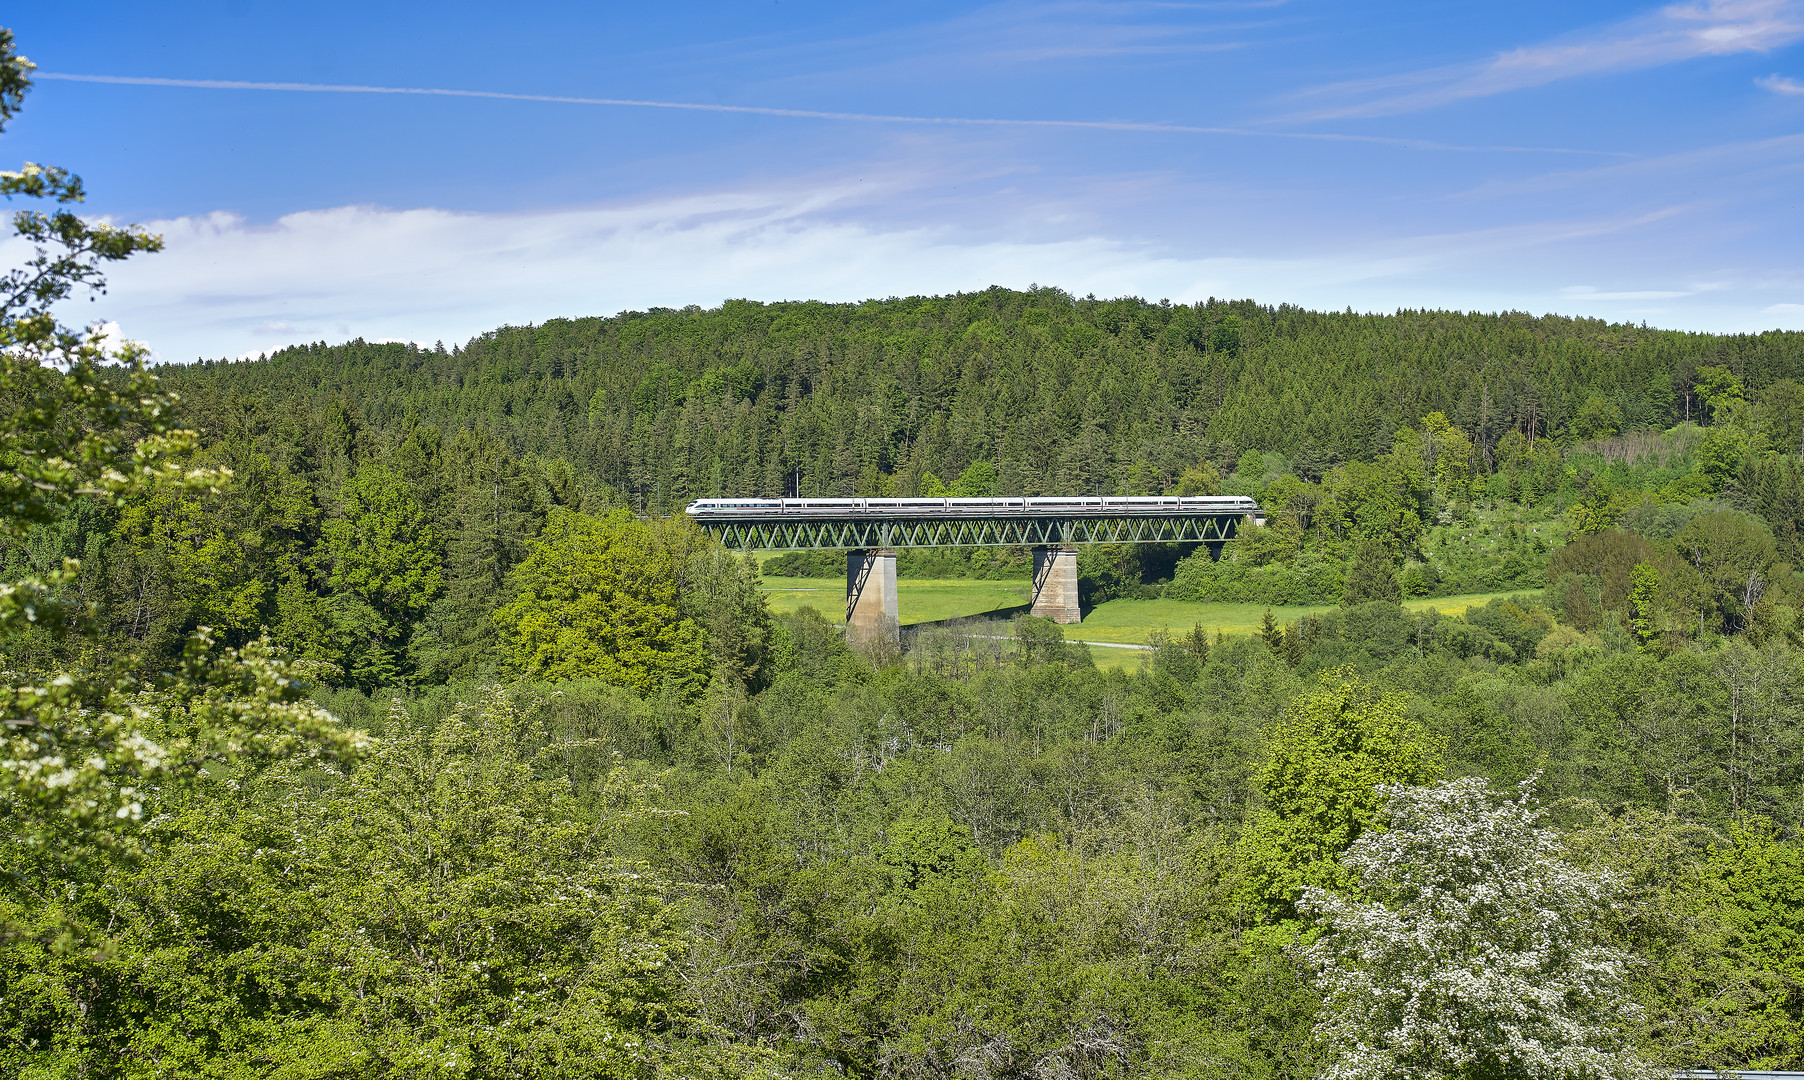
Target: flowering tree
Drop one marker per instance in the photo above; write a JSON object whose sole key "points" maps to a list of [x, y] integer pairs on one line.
{"points": [[1466, 950], [83, 743]]}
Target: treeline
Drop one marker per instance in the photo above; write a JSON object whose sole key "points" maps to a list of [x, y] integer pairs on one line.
{"points": [[386, 551], [1043, 392], [361, 533], [986, 852]]}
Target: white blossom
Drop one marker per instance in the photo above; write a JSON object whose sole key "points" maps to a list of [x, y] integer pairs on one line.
{"points": [[1467, 950]]}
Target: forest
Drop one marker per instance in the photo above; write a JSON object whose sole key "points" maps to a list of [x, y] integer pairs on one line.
{"points": [[373, 711]]}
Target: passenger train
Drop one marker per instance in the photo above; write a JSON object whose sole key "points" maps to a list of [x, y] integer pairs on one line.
{"points": [[705, 510]]}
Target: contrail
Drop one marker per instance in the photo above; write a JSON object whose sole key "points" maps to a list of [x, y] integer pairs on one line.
{"points": [[805, 114]]}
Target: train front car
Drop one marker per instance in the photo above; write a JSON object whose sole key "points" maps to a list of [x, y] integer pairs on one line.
{"points": [[717, 509]]}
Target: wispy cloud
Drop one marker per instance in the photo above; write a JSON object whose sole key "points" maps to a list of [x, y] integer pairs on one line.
{"points": [[229, 287], [801, 114], [1589, 292], [1780, 84], [1727, 164], [1674, 33], [1036, 32], [1015, 33]]}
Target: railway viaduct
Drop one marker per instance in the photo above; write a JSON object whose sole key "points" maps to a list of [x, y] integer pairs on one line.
{"points": [[870, 530]]}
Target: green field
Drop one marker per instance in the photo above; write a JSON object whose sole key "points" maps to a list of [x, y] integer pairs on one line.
{"points": [[1135, 620], [1118, 621], [921, 599]]}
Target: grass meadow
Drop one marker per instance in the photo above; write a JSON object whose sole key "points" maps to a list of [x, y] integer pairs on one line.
{"points": [[922, 599], [1116, 623]]}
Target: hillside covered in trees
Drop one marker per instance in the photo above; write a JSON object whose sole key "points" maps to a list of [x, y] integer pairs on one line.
{"points": [[1057, 394], [383, 495]]}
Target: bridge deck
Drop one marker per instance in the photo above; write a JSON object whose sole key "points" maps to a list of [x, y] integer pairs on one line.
{"points": [[775, 524]]}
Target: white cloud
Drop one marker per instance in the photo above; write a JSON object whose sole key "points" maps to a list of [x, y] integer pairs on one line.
{"points": [[1674, 33], [1723, 167], [229, 287], [1587, 292], [1780, 84], [1783, 309]]}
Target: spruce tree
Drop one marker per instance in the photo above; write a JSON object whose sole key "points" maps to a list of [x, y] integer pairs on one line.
{"points": [[1372, 576]]}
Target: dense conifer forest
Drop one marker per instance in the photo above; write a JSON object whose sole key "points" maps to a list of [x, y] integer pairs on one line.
{"points": [[369, 712], [1057, 394]]}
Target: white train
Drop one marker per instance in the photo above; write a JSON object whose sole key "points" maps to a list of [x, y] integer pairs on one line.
{"points": [[1041, 506]]}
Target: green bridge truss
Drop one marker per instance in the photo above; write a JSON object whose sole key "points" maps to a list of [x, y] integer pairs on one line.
{"points": [[780, 534]]}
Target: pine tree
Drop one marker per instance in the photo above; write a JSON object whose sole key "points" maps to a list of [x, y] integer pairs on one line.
{"points": [[1271, 633], [1372, 576], [1197, 642], [490, 516]]}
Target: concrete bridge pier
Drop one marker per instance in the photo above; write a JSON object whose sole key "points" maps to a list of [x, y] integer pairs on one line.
{"points": [[1055, 585], [872, 614]]}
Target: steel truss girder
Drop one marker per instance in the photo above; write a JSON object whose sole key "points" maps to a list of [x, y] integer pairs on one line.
{"points": [[792, 535]]}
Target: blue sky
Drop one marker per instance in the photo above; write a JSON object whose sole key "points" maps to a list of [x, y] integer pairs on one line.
{"points": [[1623, 160]]}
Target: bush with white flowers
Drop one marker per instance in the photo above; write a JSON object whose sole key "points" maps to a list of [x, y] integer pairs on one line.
{"points": [[1466, 949]]}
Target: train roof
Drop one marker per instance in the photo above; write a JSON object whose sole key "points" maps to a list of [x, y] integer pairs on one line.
{"points": [[1005, 504]]}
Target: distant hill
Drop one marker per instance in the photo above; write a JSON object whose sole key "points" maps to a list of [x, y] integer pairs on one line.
{"points": [[1056, 393]]}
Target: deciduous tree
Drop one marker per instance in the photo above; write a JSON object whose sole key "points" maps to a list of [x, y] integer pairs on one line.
{"points": [[1469, 949], [1325, 760], [596, 598]]}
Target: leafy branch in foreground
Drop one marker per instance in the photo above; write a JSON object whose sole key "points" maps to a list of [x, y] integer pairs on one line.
{"points": [[80, 747]]}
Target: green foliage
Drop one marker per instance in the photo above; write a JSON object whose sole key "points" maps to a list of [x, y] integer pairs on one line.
{"points": [[1201, 479], [1718, 387], [1106, 572], [1280, 541], [597, 598], [1761, 876], [1607, 559], [1310, 579], [1691, 981], [1720, 454], [1042, 641], [1372, 575], [1383, 503], [1647, 732], [1781, 414], [84, 741], [1734, 554], [720, 593], [380, 561], [1319, 781], [1597, 418], [1597, 508], [977, 481], [458, 904], [1644, 588], [1046, 392], [987, 856]]}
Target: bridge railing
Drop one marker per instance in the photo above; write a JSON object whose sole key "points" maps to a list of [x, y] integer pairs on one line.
{"points": [[729, 509], [1043, 522]]}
